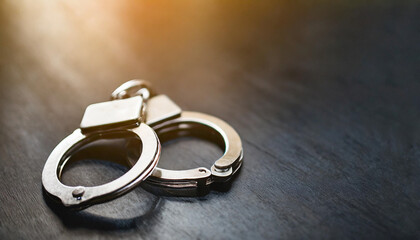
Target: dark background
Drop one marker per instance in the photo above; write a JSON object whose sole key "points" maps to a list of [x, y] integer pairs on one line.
{"points": [[325, 96]]}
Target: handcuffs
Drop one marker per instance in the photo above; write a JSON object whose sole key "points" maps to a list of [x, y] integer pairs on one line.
{"points": [[136, 111]]}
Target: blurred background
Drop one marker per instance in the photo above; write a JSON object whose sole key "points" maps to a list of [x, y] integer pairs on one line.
{"points": [[325, 95]]}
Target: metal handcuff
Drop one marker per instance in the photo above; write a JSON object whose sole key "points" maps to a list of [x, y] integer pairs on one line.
{"points": [[136, 111]]}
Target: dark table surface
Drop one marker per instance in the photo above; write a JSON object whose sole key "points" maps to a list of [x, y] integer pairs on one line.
{"points": [[325, 96]]}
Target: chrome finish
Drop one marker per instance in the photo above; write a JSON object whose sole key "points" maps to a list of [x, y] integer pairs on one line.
{"points": [[103, 120], [207, 126], [132, 88], [160, 108], [112, 114], [197, 181], [133, 108]]}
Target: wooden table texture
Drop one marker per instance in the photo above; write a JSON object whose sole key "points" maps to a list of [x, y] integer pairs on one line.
{"points": [[324, 94]]}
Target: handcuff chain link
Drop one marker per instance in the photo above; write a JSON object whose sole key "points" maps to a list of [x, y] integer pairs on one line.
{"points": [[134, 88]]}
